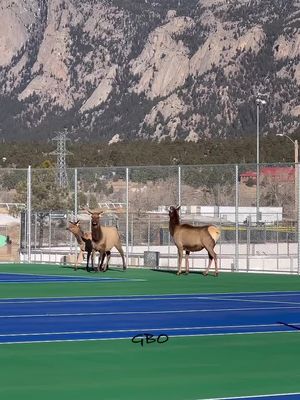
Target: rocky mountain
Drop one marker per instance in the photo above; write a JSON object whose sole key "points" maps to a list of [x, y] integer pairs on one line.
{"points": [[126, 69]]}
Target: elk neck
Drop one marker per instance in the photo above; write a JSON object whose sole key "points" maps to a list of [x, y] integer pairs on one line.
{"points": [[78, 236], [96, 233], [174, 221]]}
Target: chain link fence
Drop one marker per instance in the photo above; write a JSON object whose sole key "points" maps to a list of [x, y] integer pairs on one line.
{"points": [[258, 233]]}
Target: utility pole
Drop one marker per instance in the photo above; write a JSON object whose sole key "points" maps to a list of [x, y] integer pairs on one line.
{"points": [[61, 152]]}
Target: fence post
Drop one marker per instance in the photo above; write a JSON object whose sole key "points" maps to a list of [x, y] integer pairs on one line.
{"points": [[127, 214], [29, 214], [179, 185], [75, 194], [149, 230], [298, 211], [50, 234], [236, 217]]}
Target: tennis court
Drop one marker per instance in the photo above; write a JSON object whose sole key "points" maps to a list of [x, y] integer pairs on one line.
{"points": [[68, 335]]}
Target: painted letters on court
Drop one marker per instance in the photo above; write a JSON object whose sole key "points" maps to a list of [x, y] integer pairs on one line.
{"points": [[149, 338]]}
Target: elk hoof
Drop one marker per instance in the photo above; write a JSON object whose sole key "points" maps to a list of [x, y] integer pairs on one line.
{"points": [[205, 273], [178, 273]]}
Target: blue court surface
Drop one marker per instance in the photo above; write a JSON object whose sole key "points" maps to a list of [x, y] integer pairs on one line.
{"points": [[24, 320], [32, 278]]}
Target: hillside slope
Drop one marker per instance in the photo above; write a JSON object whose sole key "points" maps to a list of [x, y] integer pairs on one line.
{"points": [[116, 69]]}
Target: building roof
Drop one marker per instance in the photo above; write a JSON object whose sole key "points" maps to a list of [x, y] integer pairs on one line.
{"points": [[270, 171]]}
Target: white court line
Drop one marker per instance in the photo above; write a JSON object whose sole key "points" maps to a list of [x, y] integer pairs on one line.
{"points": [[126, 338], [116, 280], [162, 296], [251, 397], [198, 328], [249, 300], [139, 298], [262, 294], [71, 278], [83, 314], [58, 276], [271, 293], [86, 299]]}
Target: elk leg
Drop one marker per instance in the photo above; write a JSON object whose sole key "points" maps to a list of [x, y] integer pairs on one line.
{"points": [[90, 254], [100, 261], [180, 254], [102, 255], [76, 263], [93, 259], [120, 250], [212, 256], [187, 264], [79, 257], [87, 261], [108, 255], [209, 264], [216, 264]]}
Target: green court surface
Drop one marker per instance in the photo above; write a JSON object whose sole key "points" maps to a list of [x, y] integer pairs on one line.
{"points": [[183, 368], [153, 282]]}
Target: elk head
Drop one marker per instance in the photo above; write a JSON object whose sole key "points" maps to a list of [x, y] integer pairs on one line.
{"points": [[173, 210], [95, 217], [174, 214], [73, 226]]}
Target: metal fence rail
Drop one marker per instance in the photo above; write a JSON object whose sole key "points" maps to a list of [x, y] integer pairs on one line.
{"points": [[262, 236]]}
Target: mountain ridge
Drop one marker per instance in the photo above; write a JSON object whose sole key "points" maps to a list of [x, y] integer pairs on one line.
{"points": [[119, 70]]}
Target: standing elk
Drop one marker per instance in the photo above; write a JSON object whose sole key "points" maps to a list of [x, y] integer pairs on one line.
{"points": [[104, 238], [84, 240], [193, 238]]}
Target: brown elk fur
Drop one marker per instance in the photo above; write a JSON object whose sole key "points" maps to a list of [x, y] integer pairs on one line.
{"points": [[104, 238], [84, 240], [193, 238]]}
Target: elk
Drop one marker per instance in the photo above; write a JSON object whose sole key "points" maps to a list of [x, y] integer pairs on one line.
{"points": [[84, 240], [193, 238], [104, 238]]}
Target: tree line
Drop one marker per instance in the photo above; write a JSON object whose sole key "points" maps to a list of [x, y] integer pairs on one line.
{"points": [[273, 149]]}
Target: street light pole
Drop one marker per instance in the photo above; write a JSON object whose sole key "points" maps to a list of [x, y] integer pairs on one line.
{"points": [[258, 102], [296, 149], [257, 162]]}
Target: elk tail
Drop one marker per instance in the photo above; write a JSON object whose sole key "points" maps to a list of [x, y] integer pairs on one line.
{"points": [[214, 232]]}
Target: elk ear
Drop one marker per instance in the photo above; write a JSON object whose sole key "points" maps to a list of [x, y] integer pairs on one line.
{"points": [[178, 208]]}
